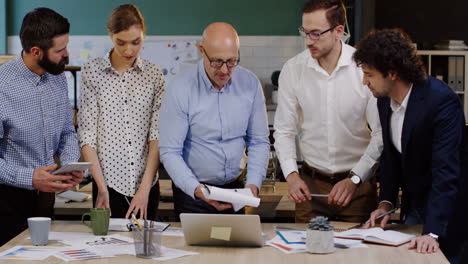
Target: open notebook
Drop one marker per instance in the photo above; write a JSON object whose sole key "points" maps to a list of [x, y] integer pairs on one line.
{"points": [[376, 235]]}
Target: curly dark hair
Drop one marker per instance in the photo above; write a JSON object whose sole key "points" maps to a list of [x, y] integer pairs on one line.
{"points": [[391, 50]]}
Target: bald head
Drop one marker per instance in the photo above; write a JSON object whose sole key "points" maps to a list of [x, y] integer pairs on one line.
{"points": [[220, 43], [220, 34]]}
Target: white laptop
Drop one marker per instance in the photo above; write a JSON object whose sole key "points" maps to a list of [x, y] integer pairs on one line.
{"points": [[222, 230]]}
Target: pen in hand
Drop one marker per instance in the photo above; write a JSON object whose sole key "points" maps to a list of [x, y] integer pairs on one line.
{"points": [[133, 215], [382, 215]]}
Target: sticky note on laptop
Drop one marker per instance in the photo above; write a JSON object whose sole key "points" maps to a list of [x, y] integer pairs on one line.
{"points": [[221, 232]]}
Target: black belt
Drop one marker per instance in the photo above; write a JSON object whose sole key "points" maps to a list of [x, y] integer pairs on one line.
{"points": [[332, 178]]}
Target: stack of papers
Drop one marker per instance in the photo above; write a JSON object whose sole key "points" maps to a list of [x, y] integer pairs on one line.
{"points": [[27, 253], [83, 246], [74, 196]]}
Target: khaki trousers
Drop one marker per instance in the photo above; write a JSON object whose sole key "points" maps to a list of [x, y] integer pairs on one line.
{"points": [[358, 210]]}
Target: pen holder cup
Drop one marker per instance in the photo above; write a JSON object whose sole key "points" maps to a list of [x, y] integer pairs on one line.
{"points": [[147, 242]]}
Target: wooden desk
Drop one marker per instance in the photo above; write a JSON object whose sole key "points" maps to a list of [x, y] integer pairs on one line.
{"points": [[373, 254], [273, 203]]}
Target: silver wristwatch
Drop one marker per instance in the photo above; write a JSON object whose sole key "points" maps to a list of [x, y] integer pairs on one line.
{"points": [[355, 179]]}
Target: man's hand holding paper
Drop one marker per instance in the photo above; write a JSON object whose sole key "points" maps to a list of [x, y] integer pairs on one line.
{"points": [[237, 197]]}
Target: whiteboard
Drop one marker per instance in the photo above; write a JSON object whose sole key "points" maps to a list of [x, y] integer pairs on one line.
{"points": [[171, 56]]}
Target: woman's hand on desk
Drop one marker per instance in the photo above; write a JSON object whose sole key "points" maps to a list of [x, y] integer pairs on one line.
{"points": [[139, 203], [220, 206], [102, 200]]}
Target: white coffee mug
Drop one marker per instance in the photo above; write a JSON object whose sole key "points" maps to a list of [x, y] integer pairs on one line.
{"points": [[39, 228]]}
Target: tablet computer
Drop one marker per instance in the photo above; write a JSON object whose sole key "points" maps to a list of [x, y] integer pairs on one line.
{"points": [[72, 166]]}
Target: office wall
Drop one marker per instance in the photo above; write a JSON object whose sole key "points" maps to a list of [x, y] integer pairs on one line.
{"points": [[267, 28], [3, 27], [175, 17]]}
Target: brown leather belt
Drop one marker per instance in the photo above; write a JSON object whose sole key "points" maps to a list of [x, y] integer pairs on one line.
{"points": [[332, 178]]}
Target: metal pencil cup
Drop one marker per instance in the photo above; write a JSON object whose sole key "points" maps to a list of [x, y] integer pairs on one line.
{"points": [[147, 242]]}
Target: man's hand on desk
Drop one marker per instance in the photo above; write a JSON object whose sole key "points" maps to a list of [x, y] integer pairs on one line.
{"points": [[253, 188], [383, 208], [298, 191], [220, 206], [342, 193], [44, 181], [424, 244]]}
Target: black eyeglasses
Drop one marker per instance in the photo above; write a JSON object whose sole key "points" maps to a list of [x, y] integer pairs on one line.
{"points": [[313, 35], [219, 63]]}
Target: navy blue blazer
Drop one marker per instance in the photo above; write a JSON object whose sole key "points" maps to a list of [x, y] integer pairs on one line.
{"points": [[428, 168]]}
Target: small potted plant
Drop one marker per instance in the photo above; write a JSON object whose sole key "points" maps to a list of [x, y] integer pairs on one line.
{"points": [[319, 237]]}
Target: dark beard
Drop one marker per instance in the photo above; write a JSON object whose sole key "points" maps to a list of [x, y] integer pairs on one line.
{"points": [[51, 67]]}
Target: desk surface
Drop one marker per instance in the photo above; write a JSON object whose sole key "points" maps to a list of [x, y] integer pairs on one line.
{"points": [[373, 254], [274, 203]]}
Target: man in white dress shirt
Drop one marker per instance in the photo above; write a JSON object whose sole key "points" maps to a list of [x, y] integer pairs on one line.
{"points": [[322, 100]]}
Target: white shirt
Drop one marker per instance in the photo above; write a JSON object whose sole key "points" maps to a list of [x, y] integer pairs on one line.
{"points": [[397, 119], [118, 116], [330, 114]]}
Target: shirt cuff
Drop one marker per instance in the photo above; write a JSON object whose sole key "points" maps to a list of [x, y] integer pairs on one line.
{"points": [[24, 178], [255, 181], [363, 170], [190, 187], [288, 166], [386, 201]]}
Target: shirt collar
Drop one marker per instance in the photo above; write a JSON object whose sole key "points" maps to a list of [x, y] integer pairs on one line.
{"points": [[344, 60], [106, 63], [26, 72], [396, 107], [206, 81]]}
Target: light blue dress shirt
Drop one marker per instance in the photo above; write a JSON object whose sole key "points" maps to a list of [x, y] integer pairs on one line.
{"points": [[35, 123], [204, 131]]}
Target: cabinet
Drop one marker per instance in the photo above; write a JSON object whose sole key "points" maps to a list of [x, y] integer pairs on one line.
{"points": [[451, 66]]}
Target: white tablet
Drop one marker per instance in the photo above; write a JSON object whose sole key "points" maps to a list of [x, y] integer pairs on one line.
{"points": [[72, 166]]}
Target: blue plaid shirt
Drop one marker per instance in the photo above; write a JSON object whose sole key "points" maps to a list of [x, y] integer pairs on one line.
{"points": [[35, 123]]}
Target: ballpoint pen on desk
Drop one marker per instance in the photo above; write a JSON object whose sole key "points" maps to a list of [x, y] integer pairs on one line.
{"points": [[133, 215]]}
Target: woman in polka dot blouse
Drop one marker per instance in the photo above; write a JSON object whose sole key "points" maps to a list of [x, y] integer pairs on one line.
{"points": [[118, 120]]}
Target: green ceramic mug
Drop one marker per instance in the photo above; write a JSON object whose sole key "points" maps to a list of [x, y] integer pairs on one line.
{"points": [[99, 220]]}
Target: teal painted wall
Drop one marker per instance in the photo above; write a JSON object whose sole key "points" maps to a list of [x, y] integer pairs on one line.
{"points": [[3, 27], [171, 17]]}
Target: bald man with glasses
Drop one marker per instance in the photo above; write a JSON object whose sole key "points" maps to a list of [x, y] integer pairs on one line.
{"points": [[321, 99], [211, 116]]}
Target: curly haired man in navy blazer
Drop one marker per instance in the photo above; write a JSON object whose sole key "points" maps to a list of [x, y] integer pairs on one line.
{"points": [[422, 127]]}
